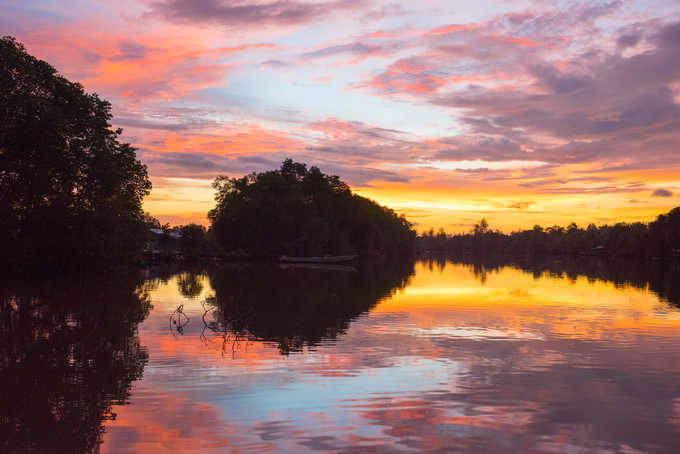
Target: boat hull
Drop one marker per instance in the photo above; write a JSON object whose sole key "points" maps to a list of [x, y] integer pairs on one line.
{"points": [[331, 259]]}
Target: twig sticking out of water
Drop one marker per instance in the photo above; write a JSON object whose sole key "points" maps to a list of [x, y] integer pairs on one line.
{"points": [[176, 319]]}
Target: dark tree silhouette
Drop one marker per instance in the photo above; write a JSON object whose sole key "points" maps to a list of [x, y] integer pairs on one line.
{"points": [[299, 307], [70, 193], [660, 238], [195, 241], [296, 211], [69, 352]]}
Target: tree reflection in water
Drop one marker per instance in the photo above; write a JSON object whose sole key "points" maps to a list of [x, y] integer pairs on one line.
{"points": [[296, 307], [660, 276], [69, 352]]}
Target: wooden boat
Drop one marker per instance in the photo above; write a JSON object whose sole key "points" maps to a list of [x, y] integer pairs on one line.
{"points": [[317, 266], [319, 259], [597, 251]]}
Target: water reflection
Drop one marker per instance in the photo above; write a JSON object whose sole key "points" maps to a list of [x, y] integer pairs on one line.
{"points": [[542, 357], [660, 276], [479, 357], [69, 353], [297, 306]]}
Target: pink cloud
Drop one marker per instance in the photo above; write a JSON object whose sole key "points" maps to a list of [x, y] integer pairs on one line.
{"points": [[414, 74]]}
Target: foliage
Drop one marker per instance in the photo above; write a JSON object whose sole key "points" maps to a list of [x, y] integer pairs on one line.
{"points": [[195, 241], [70, 193], [296, 211], [151, 222], [660, 238]]}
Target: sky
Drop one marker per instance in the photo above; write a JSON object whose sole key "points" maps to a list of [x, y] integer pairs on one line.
{"points": [[521, 112]]}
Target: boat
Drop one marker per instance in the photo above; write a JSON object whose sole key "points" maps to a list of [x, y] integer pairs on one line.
{"points": [[318, 259], [597, 251], [317, 266]]}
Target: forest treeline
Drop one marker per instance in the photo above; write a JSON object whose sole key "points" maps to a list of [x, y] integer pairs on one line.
{"points": [[659, 238]]}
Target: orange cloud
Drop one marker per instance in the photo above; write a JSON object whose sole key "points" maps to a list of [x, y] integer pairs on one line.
{"points": [[245, 140], [522, 41]]}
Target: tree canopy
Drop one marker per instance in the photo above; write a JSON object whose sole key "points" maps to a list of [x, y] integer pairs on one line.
{"points": [[299, 211], [70, 192]]}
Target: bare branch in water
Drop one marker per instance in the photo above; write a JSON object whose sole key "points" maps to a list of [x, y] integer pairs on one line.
{"points": [[176, 319]]}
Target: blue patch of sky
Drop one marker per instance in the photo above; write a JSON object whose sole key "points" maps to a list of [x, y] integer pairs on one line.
{"points": [[306, 92]]}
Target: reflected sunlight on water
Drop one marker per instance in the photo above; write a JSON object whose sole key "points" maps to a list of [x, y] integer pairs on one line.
{"points": [[457, 360]]}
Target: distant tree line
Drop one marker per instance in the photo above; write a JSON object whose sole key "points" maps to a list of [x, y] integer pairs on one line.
{"points": [[659, 238], [302, 212]]}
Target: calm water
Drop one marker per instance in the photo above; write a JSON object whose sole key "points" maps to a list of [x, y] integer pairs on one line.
{"points": [[438, 356]]}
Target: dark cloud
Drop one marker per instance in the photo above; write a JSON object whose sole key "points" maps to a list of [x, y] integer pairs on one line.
{"points": [[364, 176], [585, 185], [668, 36], [276, 63], [250, 14], [483, 148], [661, 192], [182, 164], [167, 118], [357, 162], [628, 40], [520, 205], [358, 172], [360, 144], [590, 11], [131, 50], [557, 82], [91, 57], [355, 49], [482, 170], [575, 189], [206, 165]]}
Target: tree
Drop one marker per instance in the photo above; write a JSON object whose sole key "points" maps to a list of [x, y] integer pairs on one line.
{"points": [[296, 211], [481, 227], [70, 192], [193, 240]]}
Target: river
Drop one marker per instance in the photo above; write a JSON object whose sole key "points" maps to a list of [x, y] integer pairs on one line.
{"points": [[432, 356]]}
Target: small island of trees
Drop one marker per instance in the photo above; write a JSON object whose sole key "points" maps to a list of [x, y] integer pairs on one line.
{"points": [[298, 211]]}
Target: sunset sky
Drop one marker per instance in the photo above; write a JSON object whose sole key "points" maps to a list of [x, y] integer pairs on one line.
{"points": [[521, 112]]}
